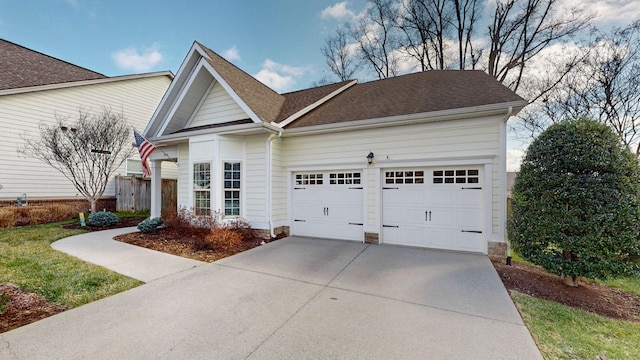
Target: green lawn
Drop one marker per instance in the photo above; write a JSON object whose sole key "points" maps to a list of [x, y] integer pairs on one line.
{"points": [[28, 261], [563, 332]]}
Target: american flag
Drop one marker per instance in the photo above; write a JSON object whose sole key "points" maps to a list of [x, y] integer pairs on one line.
{"points": [[145, 148]]}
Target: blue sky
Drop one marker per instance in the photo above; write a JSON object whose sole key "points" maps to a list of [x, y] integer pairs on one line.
{"points": [[278, 39]]}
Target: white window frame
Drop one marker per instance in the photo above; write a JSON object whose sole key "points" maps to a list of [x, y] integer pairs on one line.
{"points": [[233, 185], [202, 189]]}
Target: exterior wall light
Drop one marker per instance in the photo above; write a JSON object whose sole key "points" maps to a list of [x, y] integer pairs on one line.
{"points": [[370, 158]]}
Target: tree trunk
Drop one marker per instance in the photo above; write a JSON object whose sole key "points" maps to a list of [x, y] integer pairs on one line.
{"points": [[93, 203], [571, 280]]}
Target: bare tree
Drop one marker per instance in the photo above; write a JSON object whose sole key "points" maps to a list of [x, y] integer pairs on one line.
{"points": [[340, 59], [521, 29], [87, 150], [376, 38], [466, 16], [605, 87]]}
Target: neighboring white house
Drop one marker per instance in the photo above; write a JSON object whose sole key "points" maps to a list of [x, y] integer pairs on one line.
{"points": [[34, 88], [417, 160]]}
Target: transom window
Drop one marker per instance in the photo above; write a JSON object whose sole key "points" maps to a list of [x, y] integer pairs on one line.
{"points": [[309, 179], [232, 186], [468, 176], [347, 178], [404, 177], [202, 188]]}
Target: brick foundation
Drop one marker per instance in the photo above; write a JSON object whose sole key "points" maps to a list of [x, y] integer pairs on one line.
{"points": [[79, 205], [371, 238], [497, 250]]}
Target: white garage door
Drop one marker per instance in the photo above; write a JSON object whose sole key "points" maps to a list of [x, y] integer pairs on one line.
{"points": [[328, 204], [433, 207]]}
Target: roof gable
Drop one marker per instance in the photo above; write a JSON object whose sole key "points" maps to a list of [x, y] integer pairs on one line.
{"points": [[21, 67]]}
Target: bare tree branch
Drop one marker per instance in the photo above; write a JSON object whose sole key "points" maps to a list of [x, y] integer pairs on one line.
{"points": [[87, 150]]}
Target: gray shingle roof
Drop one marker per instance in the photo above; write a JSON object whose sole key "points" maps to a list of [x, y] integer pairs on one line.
{"points": [[21, 67]]}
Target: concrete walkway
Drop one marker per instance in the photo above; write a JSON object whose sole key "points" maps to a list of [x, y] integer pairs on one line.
{"points": [[296, 298], [133, 261]]}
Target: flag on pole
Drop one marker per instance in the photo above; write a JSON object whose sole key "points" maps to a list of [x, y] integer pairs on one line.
{"points": [[145, 148]]}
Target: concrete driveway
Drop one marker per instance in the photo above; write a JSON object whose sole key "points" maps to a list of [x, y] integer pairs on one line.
{"points": [[297, 298]]}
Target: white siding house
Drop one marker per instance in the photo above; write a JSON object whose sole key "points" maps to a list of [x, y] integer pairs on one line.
{"points": [[27, 103], [416, 160]]}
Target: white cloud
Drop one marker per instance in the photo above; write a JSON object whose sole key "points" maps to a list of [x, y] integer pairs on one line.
{"points": [[131, 59], [338, 11], [231, 54], [72, 2], [514, 158], [279, 77], [614, 12]]}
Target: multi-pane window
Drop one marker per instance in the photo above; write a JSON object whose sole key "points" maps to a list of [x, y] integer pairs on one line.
{"points": [[468, 176], [404, 177], [134, 167], [232, 185], [347, 178], [309, 179], [202, 188]]}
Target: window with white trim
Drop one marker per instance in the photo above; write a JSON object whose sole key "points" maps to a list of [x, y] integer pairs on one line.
{"points": [[309, 179], [202, 188], [134, 167], [467, 176], [232, 187], [404, 177], [344, 178]]}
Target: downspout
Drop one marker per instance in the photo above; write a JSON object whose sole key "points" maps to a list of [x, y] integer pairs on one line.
{"points": [[503, 188], [270, 182]]}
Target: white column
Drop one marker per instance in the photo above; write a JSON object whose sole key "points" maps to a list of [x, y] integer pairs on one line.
{"points": [[156, 188]]}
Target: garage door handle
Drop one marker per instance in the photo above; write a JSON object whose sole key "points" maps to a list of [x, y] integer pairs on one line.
{"points": [[300, 220], [356, 224], [391, 226], [389, 188], [472, 231], [355, 188], [295, 188], [471, 188], [427, 216]]}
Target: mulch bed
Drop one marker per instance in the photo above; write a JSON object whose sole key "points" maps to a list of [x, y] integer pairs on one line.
{"points": [[589, 296], [23, 308]]}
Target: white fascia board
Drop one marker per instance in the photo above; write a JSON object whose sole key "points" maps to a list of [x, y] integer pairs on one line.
{"points": [[184, 73], [232, 93], [84, 83], [307, 109], [224, 130], [399, 120], [181, 94]]}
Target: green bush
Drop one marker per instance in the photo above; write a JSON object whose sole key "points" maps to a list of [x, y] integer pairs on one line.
{"points": [[575, 202], [103, 218], [149, 225]]}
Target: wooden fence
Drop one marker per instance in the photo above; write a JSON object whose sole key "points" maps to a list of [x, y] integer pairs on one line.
{"points": [[133, 194]]}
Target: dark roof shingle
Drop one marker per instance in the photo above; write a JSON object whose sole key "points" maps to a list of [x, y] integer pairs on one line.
{"points": [[415, 93], [21, 67], [262, 100]]}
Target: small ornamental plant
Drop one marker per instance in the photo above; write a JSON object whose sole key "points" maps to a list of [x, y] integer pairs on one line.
{"points": [[149, 225], [103, 218]]}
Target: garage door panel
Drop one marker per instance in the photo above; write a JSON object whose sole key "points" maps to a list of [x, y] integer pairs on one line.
{"points": [[331, 207], [443, 211]]}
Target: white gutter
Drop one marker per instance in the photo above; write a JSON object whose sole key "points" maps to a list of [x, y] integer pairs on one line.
{"points": [[223, 130], [84, 83], [503, 176], [308, 108], [270, 181], [433, 116]]}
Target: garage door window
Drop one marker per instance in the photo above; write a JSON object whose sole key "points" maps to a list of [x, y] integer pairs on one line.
{"points": [[467, 176], [404, 177], [309, 179], [344, 178]]}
